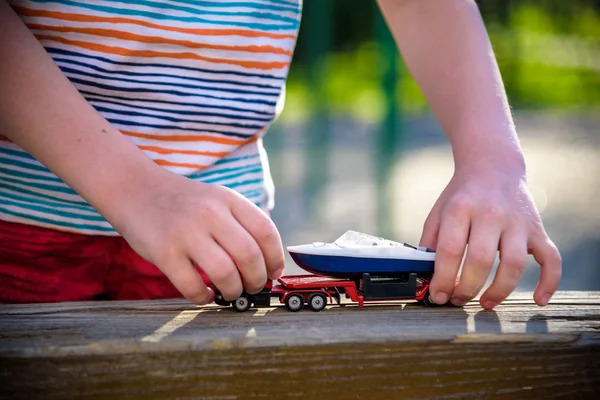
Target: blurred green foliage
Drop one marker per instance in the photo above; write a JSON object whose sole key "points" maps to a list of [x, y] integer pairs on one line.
{"points": [[548, 52]]}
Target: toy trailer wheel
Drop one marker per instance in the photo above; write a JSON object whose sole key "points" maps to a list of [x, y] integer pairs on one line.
{"points": [[294, 302], [242, 303], [428, 301], [221, 301], [317, 302]]}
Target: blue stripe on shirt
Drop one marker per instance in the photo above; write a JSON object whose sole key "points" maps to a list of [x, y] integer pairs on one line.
{"points": [[166, 17], [270, 115], [180, 112], [56, 222], [68, 70], [172, 92], [181, 120], [51, 210], [53, 50], [254, 4], [194, 78], [175, 127], [197, 11]]}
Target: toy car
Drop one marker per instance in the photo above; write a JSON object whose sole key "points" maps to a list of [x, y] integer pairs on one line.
{"points": [[357, 266]]}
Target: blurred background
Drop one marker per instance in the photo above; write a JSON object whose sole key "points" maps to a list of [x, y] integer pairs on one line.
{"points": [[358, 148]]}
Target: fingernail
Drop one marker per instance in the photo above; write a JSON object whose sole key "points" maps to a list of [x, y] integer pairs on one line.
{"points": [[277, 274], [489, 305], [440, 298], [546, 299]]}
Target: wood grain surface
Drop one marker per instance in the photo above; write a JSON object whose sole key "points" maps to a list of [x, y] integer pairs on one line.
{"points": [[173, 350]]}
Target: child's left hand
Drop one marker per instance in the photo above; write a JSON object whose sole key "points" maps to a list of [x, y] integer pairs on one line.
{"points": [[488, 206]]}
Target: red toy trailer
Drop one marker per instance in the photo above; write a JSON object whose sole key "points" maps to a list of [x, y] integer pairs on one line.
{"points": [[317, 291]]}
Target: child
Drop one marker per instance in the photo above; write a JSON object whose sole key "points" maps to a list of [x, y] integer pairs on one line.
{"points": [[133, 150]]}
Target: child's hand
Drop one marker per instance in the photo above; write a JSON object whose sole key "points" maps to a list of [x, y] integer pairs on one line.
{"points": [[177, 223], [490, 208]]}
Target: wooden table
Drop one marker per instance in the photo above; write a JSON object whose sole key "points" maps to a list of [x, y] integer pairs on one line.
{"points": [[172, 350]]}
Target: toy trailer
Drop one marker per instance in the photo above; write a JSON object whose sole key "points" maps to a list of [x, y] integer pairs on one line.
{"points": [[317, 291]]}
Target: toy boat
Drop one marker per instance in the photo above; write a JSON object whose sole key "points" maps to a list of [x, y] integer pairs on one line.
{"points": [[355, 253]]}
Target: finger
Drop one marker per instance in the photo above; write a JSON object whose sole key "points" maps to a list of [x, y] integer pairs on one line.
{"points": [[452, 239], [219, 267], [264, 232], [513, 260], [245, 253], [188, 282], [547, 255], [479, 261], [431, 228]]}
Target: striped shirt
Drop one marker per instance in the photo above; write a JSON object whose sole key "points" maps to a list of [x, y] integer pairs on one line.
{"points": [[193, 83]]}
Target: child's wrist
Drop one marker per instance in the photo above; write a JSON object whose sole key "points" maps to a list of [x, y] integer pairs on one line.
{"points": [[496, 151], [131, 192]]}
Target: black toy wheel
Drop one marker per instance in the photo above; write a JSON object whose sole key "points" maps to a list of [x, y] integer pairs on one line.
{"points": [[428, 301], [221, 301], [294, 302], [317, 301], [242, 303]]}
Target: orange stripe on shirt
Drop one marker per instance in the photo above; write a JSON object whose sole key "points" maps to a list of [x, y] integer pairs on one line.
{"points": [[158, 40], [151, 53], [166, 163], [188, 138], [115, 20], [162, 150]]}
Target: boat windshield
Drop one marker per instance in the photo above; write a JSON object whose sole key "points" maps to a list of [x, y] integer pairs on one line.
{"points": [[353, 239]]}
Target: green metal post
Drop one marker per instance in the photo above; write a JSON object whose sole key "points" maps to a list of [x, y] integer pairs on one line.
{"points": [[317, 22], [390, 129]]}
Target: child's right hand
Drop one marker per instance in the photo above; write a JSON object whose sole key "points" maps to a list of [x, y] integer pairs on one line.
{"points": [[177, 223], [169, 220]]}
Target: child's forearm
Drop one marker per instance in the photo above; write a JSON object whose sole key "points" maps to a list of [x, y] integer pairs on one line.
{"points": [[42, 112], [447, 49]]}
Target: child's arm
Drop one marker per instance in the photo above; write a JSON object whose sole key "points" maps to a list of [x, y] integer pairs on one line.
{"points": [[169, 220], [487, 203]]}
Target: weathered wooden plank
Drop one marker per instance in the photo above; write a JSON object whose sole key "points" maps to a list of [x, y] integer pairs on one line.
{"points": [[170, 349]]}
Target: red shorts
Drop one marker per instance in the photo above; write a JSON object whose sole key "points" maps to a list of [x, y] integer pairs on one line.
{"points": [[39, 265]]}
